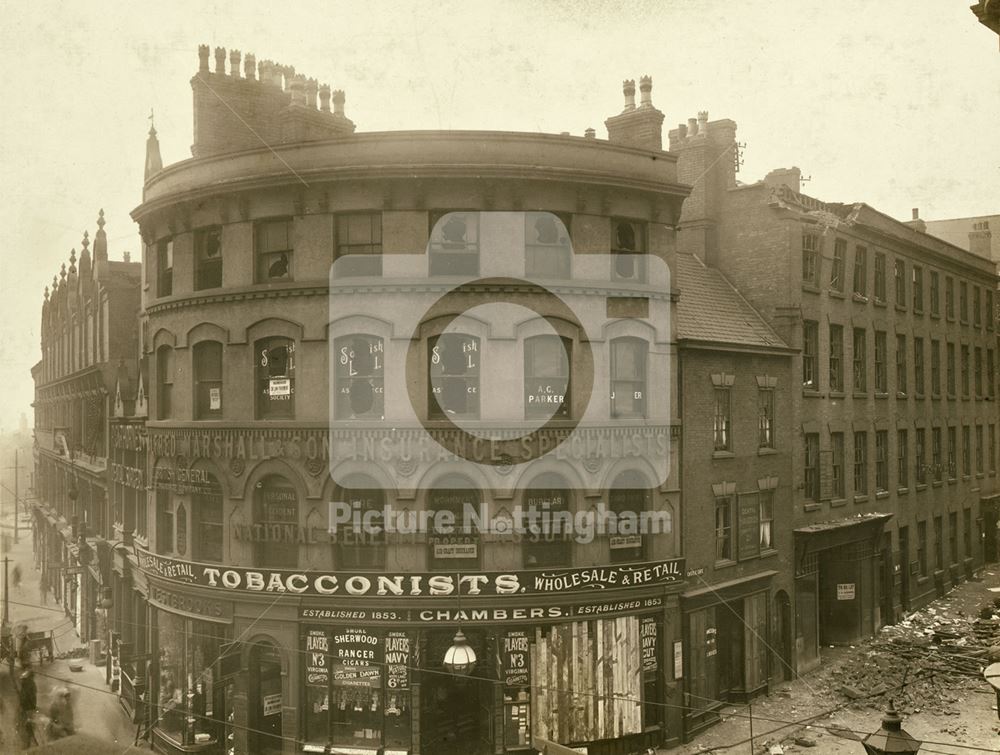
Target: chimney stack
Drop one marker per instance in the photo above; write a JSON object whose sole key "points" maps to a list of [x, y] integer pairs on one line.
{"points": [[640, 127], [590, 133], [234, 63], [916, 223], [790, 177], [220, 61], [250, 67], [981, 239], [324, 98], [203, 59], [338, 102]]}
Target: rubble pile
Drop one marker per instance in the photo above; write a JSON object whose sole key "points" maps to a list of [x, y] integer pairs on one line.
{"points": [[936, 653]]}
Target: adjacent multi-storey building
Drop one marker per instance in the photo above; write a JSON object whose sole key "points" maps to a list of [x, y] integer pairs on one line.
{"points": [[895, 405], [88, 343]]}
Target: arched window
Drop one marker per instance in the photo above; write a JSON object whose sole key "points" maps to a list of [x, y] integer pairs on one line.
{"points": [[628, 377], [547, 361], [207, 368], [275, 359], [628, 499], [546, 505], [207, 508], [360, 387], [208, 258], [276, 520], [164, 381], [457, 546], [453, 376], [361, 547]]}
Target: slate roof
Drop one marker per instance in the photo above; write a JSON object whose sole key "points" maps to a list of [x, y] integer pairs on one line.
{"points": [[711, 309]]}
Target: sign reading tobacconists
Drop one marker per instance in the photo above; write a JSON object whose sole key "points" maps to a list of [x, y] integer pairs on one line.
{"points": [[414, 585]]}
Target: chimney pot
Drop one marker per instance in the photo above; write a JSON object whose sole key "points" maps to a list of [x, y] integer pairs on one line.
{"points": [[311, 88], [628, 89], [646, 91], [590, 133], [916, 213], [297, 86], [338, 102], [127, 256], [203, 58], [234, 63], [692, 129], [220, 60], [324, 98], [703, 123], [250, 66]]}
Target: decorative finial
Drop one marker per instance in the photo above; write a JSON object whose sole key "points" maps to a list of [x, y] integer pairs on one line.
{"points": [[152, 125], [85, 243], [62, 272], [46, 293], [100, 220]]}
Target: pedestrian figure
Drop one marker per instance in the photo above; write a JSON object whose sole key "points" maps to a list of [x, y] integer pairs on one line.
{"points": [[28, 700], [15, 577], [43, 588], [61, 715]]}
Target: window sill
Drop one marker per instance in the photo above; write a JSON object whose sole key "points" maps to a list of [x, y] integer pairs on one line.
{"points": [[923, 580], [901, 395], [881, 494], [902, 491], [993, 474], [918, 312], [881, 394], [979, 475], [919, 396], [921, 487], [723, 455], [859, 298], [769, 553], [939, 574], [936, 396], [838, 502], [937, 483], [809, 287], [952, 397], [950, 318], [900, 307], [812, 506], [935, 316], [811, 393], [835, 294], [879, 303], [724, 564], [837, 394], [860, 394], [952, 481], [966, 477], [861, 498], [766, 451]]}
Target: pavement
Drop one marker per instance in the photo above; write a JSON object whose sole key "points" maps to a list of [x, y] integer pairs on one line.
{"points": [[97, 711]]}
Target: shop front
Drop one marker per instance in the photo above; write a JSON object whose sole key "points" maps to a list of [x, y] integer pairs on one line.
{"points": [[728, 647], [586, 657], [837, 584], [188, 632]]}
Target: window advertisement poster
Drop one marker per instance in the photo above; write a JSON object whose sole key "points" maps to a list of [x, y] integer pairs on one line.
{"points": [[515, 659]]}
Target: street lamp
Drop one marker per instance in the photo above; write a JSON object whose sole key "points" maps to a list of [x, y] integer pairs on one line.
{"points": [[891, 739], [460, 658]]}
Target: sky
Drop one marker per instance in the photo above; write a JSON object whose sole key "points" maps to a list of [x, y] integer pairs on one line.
{"points": [[895, 103]]}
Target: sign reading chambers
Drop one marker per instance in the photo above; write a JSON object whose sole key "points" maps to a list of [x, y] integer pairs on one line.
{"points": [[414, 585]]}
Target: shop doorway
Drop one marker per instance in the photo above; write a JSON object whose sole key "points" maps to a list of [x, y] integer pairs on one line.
{"points": [[265, 700], [840, 599], [456, 713], [783, 634], [989, 529]]}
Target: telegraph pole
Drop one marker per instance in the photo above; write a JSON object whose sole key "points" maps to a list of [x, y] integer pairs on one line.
{"points": [[6, 591], [17, 472]]}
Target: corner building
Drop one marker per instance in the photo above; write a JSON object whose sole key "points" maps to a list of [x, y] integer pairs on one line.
{"points": [[335, 642]]}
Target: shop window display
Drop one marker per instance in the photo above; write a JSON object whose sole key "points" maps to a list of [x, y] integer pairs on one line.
{"points": [[188, 699]]}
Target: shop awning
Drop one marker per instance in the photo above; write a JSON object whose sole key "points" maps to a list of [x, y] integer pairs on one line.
{"points": [[723, 592], [823, 535]]}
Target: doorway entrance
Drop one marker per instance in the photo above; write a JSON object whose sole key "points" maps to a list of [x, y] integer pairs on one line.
{"points": [[989, 528], [783, 635], [456, 712], [265, 700]]}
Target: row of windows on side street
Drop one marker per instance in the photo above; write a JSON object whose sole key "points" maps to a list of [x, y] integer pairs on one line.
{"points": [[453, 249], [812, 275], [825, 470], [970, 362], [453, 380]]}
